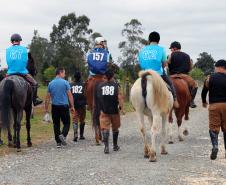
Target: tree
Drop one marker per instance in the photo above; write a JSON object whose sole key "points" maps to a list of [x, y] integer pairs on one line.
{"points": [[133, 33], [49, 73], [70, 41], [42, 52], [205, 62], [197, 74]]}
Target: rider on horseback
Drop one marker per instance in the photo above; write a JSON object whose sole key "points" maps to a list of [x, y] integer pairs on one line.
{"points": [[153, 57], [17, 58], [180, 64], [98, 60]]}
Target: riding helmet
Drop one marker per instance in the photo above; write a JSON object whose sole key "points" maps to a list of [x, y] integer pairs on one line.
{"points": [[16, 37]]}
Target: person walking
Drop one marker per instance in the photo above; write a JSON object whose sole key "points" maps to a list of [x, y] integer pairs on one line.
{"points": [[77, 89], [111, 101], [215, 84], [59, 91]]}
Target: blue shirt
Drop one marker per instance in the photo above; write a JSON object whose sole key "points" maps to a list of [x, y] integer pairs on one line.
{"points": [[152, 57], [58, 89], [16, 59]]}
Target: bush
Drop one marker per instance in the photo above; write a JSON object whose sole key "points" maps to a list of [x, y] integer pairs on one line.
{"points": [[197, 74], [49, 73]]}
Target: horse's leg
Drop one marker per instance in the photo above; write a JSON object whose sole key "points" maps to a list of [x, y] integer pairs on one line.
{"points": [[10, 142], [1, 142], [185, 132], [154, 131], [170, 127], [140, 115], [18, 126], [28, 110], [163, 139], [179, 122]]}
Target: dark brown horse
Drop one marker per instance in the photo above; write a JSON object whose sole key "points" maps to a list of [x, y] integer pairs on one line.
{"points": [[184, 99], [15, 96]]}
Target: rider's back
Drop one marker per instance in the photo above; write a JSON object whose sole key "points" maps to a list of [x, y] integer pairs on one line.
{"points": [[16, 58], [180, 63]]}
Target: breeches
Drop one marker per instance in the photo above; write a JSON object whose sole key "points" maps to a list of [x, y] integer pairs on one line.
{"points": [[217, 117], [79, 115], [107, 120]]}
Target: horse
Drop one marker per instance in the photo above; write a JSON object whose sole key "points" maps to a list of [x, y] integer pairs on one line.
{"points": [[93, 107], [149, 96], [15, 96], [184, 99]]}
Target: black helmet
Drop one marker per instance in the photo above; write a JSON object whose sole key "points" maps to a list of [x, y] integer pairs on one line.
{"points": [[175, 44], [16, 37], [154, 37]]}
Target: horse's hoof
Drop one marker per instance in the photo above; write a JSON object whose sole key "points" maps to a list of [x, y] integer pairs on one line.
{"points": [[153, 159], [164, 153], [29, 144], [18, 149], [185, 132], [180, 138], [170, 142], [146, 156]]}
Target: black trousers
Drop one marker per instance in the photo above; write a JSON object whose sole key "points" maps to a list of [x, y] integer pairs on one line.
{"points": [[60, 113]]}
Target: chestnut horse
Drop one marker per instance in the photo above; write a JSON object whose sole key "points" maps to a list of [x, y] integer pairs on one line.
{"points": [[93, 107], [150, 96], [184, 99]]}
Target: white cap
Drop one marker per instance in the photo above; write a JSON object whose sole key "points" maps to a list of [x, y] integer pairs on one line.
{"points": [[98, 40]]}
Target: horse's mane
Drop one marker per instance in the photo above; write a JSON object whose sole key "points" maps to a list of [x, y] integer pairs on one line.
{"points": [[160, 91]]}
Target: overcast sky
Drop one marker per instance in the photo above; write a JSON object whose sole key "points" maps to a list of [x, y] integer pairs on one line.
{"points": [[198, 25]]}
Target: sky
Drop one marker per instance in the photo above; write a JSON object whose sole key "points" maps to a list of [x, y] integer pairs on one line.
{"points": [[198, 25]]}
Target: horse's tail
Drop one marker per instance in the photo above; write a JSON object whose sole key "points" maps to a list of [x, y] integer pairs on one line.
{"points": [[160, 91], [6, 102]]}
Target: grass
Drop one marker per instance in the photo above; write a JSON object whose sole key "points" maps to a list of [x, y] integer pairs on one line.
{"points": [[40, 131]]}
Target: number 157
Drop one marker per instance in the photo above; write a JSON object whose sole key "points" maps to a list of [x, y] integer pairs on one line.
{"points": [[98, 56]]}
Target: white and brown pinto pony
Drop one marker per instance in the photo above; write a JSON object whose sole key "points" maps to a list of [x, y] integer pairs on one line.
{"points": [[150, 97]]}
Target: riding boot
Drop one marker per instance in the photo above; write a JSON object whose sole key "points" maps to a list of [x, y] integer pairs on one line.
{"points": [[193, 94], [75, 128], [82, 126], [106, 142], [115, 141], [214, 141], [224, 134], [36, 99]]}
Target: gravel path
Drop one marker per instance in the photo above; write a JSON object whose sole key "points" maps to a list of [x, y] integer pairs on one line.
{"points": [[85, 164]]}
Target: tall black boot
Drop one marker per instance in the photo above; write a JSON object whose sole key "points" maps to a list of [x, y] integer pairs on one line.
{"points": [[82, 127], [106, 142], [193, 94], [115, 141], [214, 141], [36, 99], [224, 134], [75, 128]]}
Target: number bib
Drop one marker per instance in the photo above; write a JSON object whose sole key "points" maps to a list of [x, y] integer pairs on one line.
{"points": [[98, 60]]}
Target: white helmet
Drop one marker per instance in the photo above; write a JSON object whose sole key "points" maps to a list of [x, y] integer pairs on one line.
{"points": [[98, 40]]}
